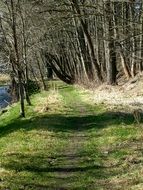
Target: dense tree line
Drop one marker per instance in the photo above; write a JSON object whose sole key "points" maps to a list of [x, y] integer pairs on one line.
{"points": [[80, 41], [94, 41]]}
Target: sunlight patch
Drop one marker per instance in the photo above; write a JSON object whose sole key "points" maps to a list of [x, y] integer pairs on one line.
{"points": [[50, 103]]}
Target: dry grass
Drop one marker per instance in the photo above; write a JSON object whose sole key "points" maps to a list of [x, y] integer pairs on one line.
{"points": [[128, 97], [4, 78], [52, 102]]}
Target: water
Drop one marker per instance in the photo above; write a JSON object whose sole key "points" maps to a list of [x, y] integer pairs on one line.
{"points": [[5, 97]]}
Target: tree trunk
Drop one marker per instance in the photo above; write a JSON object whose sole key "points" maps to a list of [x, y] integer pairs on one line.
{"points": [[41, 74], [19, 69], [111, 66], [89, 41]]}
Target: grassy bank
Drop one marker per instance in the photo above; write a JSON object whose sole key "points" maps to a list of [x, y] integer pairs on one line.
{"points": [[4, 79], [67, 143]]}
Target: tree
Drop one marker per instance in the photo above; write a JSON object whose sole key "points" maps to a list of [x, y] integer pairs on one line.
{"points": [[82, 41]]}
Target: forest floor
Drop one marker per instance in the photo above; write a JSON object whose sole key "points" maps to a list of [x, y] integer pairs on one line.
{"points": [[67, 142], [126, 96]]}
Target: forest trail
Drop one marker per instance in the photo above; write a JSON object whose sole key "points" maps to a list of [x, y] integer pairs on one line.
{"points": [[77, 146], [69, 160], [72, 160]]}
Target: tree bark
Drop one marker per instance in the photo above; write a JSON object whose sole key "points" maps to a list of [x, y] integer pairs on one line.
{"points": [[19, 69]]}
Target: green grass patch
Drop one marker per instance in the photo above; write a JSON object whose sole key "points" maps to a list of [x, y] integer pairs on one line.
{"points": [[71, 144]]}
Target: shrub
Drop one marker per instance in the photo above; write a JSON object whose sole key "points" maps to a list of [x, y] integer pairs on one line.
{"points": [[33, 87]]}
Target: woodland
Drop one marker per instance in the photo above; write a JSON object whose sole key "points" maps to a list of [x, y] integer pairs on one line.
{"points": [[80, 42], [72, 71]]}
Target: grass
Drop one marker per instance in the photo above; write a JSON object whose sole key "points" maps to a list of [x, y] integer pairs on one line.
{"points": [[72, 144], [4, 79]]}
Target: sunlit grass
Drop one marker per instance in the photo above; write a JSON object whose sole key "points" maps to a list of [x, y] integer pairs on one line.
{"points": [[4, 79], [71, 145]]}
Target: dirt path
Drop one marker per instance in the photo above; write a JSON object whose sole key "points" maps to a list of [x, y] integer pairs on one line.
{"points": [[72, 161]]}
